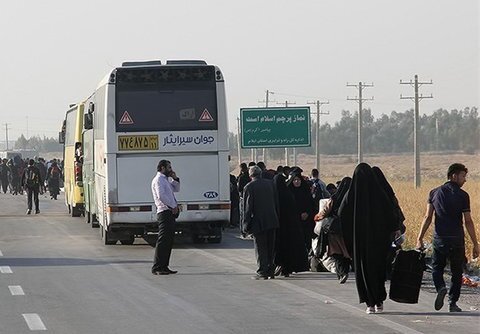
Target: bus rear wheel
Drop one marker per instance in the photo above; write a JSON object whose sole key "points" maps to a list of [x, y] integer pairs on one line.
{"points": [[94, 221], [76, 211], [129, 241], [216, 235], [196, 239]]}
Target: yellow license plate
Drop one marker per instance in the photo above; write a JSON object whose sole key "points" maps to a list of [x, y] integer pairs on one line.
{"points": [[137, 143]]}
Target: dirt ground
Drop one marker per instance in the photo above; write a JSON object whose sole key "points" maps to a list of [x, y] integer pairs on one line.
{"points": [[395, 166]]}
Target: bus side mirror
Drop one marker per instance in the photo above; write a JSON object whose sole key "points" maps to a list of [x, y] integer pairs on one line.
{"points": [[88, 121], [61, 137], [88, 117]]}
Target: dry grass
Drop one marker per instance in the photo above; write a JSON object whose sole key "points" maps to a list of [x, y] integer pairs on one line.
{"points": [[399, 171]]}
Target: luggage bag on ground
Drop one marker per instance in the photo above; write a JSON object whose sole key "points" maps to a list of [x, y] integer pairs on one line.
{"points": [[407, 274]]}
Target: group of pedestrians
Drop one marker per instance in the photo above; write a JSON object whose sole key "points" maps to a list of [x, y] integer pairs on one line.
{"points": [[277, 209], [358, 227], [34, 176], [11, 171]]}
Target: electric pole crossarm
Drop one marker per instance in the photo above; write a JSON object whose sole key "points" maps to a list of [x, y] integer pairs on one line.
{"points": [[357, 99]]}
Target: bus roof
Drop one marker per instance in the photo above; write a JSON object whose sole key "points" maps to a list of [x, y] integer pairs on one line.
{"points": [[152, 63]]}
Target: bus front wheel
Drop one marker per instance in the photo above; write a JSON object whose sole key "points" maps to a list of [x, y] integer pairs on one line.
{"points": [[106, 237]]}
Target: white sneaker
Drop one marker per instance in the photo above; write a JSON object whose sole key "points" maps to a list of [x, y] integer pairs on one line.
{"points": [[379, 308], [370, 310]]}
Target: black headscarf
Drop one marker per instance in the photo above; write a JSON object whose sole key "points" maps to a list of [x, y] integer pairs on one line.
{"points": [[280, 186], [382, 180], [342, 190], [302, 194]]}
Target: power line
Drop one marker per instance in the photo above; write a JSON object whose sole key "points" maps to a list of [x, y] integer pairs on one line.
{"points": [[6, 134], [239, 142], [361, 86], [266, 101], [416, 148], [286, 103], [318, 103]]}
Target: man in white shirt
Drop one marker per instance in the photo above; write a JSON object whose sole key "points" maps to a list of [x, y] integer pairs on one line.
{"points": [[164, 184]]}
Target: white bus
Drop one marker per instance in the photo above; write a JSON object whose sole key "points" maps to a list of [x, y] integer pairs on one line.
{"points": [[141, 113]]}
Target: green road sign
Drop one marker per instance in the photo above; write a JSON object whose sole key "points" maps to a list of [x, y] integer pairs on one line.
{"points": [[275, 127]]}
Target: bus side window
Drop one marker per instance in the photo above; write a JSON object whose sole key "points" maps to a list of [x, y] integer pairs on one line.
{"points": [[78, 153]]}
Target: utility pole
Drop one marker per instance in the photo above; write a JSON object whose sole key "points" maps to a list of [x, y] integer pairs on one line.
{"points": [[6, 134], [266, 101], [317, 129], [416, 147], [239, 142], [360, 100], [286, 103]]}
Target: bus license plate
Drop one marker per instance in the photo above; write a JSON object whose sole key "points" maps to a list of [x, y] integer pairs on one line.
{"points": [[138, 143]]}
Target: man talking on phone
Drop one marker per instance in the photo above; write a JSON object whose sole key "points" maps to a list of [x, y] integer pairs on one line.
{"points": [[164, 184]]}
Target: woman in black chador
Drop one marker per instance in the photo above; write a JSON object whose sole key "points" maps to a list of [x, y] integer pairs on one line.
{"points": [[290, 252], [396, 237], [368, 219], [303, 203]]}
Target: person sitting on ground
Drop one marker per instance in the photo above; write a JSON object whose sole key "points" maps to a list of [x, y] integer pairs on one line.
{"points": [[334, 248]]}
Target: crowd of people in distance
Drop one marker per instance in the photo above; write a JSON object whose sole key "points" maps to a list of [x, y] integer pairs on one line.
{"points": [[33, 176], [299, 223]]}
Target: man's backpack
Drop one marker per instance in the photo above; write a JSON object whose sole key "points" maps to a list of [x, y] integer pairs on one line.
{"points": [[31, 177], [317, 192]]}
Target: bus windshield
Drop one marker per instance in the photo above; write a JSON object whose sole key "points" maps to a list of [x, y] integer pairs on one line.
{"points": [[166, 99]]}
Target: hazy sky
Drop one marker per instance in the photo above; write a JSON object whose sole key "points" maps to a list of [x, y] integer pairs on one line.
{"points": [[55, 52]]}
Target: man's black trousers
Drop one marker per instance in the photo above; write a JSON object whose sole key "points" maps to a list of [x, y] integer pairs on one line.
{"points": [[32, 191], [265, 252], [454, 251], [166, 233]]}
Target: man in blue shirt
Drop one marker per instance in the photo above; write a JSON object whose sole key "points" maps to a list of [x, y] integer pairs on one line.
{"points": [[450, 204]]}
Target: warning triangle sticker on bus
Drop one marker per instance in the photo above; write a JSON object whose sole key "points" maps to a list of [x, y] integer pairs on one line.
{"points": [[205, 116], [126, 119]]}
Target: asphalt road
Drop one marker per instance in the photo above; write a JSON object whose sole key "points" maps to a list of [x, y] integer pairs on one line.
{"points": [[56, 276]]}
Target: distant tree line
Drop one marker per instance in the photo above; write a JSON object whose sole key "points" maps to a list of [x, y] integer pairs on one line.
{"points": [[39, 144], [455, 130]]}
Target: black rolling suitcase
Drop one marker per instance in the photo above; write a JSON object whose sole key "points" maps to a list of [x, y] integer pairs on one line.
{"points": [[407, 274]]}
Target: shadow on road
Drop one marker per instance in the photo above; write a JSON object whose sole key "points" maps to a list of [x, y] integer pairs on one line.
{"points": [[443, 314], [53, 262]]}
